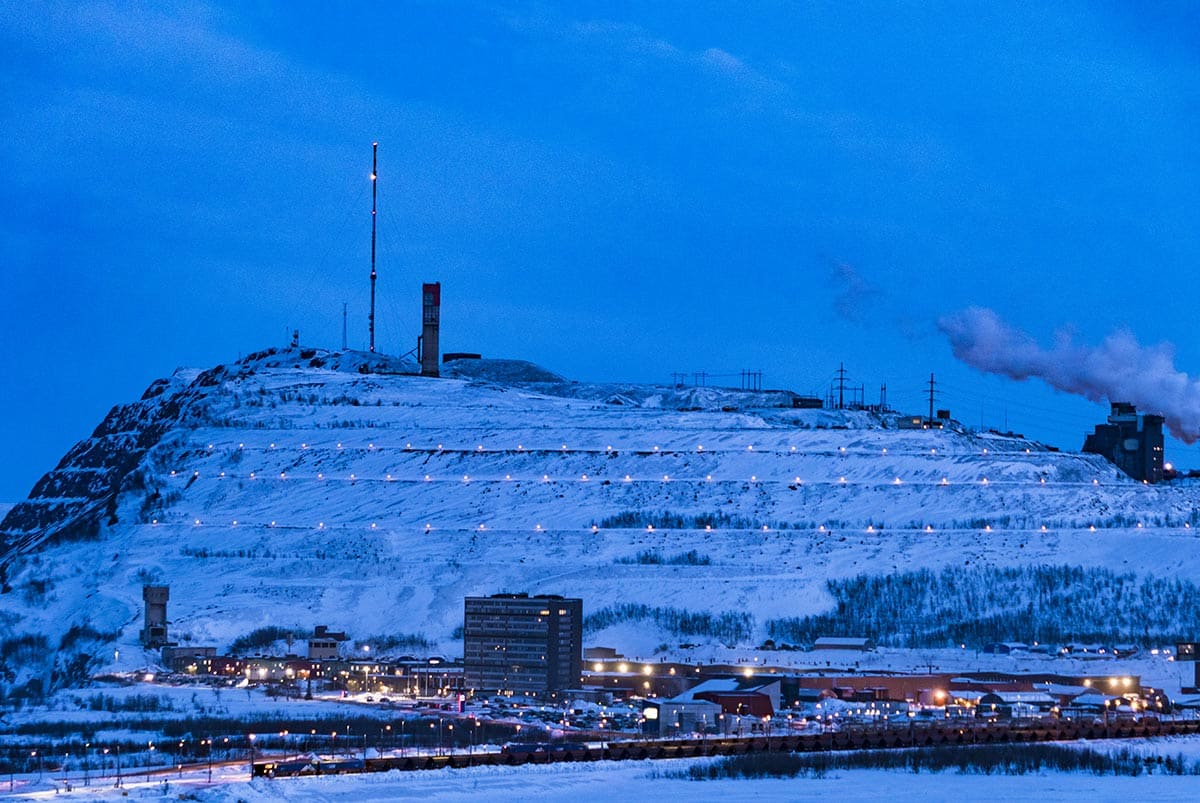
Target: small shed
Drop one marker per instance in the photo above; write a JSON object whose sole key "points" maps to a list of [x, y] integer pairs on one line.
{"points": [[679, 717], [1016, 704]]}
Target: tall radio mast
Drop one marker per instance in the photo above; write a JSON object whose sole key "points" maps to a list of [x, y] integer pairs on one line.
{"points": [[374, 188]]}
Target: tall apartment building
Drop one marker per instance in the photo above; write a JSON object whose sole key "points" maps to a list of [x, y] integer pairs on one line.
{"points": [[515, 643]]}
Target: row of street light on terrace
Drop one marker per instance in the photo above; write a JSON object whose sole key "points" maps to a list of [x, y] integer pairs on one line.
{"points": [[708, 478], [655, 450], [539, 528]]}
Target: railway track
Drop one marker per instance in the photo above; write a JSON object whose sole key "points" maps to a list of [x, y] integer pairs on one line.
{"points": [[867, 738]]}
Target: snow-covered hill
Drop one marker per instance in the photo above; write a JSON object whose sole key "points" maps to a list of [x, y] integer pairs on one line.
{"points": [[305, 487]]}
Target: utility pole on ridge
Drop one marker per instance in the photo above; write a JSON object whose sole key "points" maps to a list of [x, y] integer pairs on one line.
{"points": [[931, 386]]}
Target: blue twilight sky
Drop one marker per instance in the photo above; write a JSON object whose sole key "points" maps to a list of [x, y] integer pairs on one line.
{"points": [[615, 191]]}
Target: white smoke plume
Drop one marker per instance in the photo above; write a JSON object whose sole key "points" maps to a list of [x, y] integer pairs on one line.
{"points": [[1119, 369]]}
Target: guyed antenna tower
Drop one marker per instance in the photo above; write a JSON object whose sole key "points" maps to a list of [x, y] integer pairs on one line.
{"points": [[374, 191]]}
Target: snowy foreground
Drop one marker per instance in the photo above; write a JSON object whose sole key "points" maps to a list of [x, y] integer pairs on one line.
{"points": [[645, 779]]}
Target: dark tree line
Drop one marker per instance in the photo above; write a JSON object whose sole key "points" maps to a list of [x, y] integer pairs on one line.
{"points": [[730, 627], [976, 605]]}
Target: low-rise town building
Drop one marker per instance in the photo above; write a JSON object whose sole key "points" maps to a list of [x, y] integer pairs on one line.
{"points": [[325, 644]]}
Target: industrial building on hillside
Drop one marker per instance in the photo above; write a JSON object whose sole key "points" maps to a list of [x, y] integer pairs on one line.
{"points": [[518, 644], [431, 324], [1132, 442], [154, 631]]}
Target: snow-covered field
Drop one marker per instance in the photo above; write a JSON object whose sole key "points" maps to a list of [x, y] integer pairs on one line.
{"points": [[640, 782], [646, 780]]}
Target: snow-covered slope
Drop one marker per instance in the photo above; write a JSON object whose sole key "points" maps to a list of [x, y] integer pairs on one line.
{"points": [[297, 488]]}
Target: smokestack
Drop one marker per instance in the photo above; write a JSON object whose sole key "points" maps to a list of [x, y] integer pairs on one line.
{"points": [[431, 312], [1119, 369]]}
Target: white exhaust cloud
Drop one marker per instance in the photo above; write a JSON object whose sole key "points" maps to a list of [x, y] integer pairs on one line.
{"points": [[1118, 369]]}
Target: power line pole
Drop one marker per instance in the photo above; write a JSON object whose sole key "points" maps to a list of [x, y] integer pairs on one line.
{"points": [[841, 386], [374, 190], [343, 326], [931, 391]]}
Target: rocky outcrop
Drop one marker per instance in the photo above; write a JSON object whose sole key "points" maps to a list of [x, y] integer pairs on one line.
{"points": [[71, 501], [79, 496]]}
